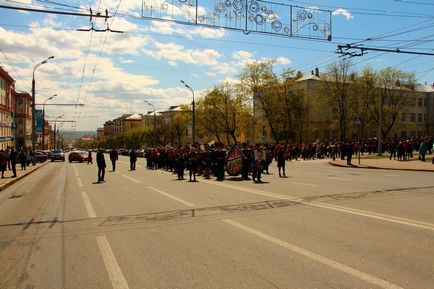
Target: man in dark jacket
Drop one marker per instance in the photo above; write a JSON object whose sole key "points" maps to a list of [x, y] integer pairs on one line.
{"points": [[133, 159], [114, 156], [100, 161], [13, 157]]}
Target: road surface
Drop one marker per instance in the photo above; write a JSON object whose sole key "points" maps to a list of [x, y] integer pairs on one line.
{"points": [[322, 227]]}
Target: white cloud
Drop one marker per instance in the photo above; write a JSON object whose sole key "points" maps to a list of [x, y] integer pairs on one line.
{"points": [[283, 61], [343, 12]]}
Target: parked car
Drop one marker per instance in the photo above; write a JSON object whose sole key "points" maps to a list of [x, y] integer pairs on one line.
{"points": [[41, 157], [57, 155], [78, 156]]}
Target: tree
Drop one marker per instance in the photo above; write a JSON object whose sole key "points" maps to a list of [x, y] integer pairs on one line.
{"points": [[221, 109], [178, 124], [394, 88], [257, 79], [336, 87], [365, 95]]}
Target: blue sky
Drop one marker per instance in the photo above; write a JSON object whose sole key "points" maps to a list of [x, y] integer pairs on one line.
{"points": [[150, 58]]}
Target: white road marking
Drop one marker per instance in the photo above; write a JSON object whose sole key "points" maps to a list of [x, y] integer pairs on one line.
{"points": [[368, 214], [80, 183], [305, 184], [75, 171], [112, 266], [387, 175], [90, 211], [132, 179], [339, 179], [318, 258], [172, 197]]}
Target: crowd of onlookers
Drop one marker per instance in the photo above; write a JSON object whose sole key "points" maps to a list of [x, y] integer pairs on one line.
{"points": [[10, 157]]}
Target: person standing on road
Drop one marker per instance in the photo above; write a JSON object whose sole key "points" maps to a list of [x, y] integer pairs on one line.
{"points": [[192, 164], [114, 156], [100, 161], [3, 163], [281, 162], [89, 157], [422, 151], [133, 159], [13, 157]]}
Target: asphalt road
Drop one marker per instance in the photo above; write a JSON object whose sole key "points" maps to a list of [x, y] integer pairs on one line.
{"points": [[322, 227]]}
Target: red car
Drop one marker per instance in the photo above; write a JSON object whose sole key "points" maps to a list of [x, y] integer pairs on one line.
{"points": [[78, 156]]}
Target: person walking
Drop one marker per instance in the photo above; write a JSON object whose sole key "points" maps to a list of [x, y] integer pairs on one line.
{"points": [[89, 157], [3, 163], [422, 151], [13, 157], [114, 156], [133, 159], [281, 162], [100, 161], [258, 166], [23, 159], [8, 157], [192, 164]]}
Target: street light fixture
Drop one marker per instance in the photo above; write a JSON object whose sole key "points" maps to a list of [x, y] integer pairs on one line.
{"points": [[55, 122], [34, 103], [193, 111], [154, 143], [43, 120]]}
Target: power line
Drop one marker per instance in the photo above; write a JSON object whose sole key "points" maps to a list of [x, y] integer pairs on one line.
{"points": [[53, 12], [345, 50], [13, 67]]}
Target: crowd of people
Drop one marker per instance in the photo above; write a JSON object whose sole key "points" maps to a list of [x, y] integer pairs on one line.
{"points": [[10, 157], [211, 160]]}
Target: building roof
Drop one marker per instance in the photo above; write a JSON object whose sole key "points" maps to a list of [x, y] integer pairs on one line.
{"points": [[309, 77], [6, 75], [424, 88], [135, 116]]}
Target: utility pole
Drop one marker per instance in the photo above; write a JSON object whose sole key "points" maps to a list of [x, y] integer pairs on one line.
{"points": [[193, 111], [34, 102], [154, 142], [43, 120]]}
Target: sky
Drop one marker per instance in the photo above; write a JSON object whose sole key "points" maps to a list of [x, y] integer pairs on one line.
{"points": [[114, 73]]}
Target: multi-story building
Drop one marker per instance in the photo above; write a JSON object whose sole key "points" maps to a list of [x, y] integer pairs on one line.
{"points": [[7, 87], [108, 129], [118, 124], [23, 119], [319, 123], [134, 120]]}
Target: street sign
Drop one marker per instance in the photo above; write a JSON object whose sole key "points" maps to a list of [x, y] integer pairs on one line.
{"points": [[358, 121]]}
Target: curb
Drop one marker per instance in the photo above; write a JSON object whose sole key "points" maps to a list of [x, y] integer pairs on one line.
{"points": [[13, 181], [376, 168]]}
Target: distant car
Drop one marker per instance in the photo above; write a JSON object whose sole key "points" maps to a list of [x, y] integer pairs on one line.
{"points": [[41, 157], [78, 156], [57, 155], [140, 153]]}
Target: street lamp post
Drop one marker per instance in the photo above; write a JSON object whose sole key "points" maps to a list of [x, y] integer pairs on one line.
{"points": [[193, 112], [55, 122], [43, 120], [155, 124], [33, 102]]}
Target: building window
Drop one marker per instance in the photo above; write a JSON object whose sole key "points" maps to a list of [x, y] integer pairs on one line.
{"points": [[413, 134], [424, 117], [404, 117], [20, 121], [419, 117], [424, 102], [403, 134], [420, 134], [20, 131], [413, 117], [419, 102], [20, 100]]}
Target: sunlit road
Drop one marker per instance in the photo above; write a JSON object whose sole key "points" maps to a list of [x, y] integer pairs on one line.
{"points": [[322, 227]]}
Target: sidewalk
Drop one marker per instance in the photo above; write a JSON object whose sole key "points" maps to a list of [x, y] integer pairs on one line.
{"points": [[386, 164], [9, 180]]}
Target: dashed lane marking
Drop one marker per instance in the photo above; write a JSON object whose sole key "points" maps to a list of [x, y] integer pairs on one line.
{"points": [[88, 205], [80, 183], [362, 213], [305, 184], [132, 179], [315, 257], [172, 197], [117, 278]]}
